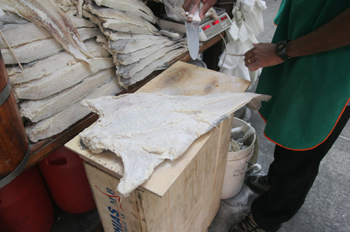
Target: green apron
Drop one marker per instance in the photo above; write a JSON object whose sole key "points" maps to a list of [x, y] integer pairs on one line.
{"points": [[308, 93]]}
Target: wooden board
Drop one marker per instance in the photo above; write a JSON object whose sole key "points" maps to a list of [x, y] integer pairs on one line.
{"points": [[187, 79]]}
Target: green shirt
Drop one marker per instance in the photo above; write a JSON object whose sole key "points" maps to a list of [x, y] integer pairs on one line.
{"points": [[310, 92]]}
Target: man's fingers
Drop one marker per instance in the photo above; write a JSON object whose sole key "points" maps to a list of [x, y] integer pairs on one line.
{"points": [[248, 56], [253, 67], [191, 6], [204, 10], [186, 5]]}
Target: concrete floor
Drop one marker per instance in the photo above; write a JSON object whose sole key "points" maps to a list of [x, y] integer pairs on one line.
{"points": [[327, 207]]}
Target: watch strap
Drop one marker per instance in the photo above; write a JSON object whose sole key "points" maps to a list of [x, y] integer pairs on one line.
{"points": [[281, 48]]}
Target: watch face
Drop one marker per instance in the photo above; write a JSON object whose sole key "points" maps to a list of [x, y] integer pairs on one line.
{"points": [[280, 46]]}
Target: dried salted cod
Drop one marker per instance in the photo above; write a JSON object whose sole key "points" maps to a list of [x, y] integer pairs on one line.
{"points": [[87, 33], [163, 127], [94, 19], [64, 119], [67, 5], [40, 68], [127, 71], [60, 79], [80, 7], [128, 46], [122, 26], [23, 33], [81, 22], [116, 25], [132, 6], [40, 49], [9, 26], [12, 18], [113, 35], [114, 19], [129, 58], [48, 15], [44, 67], [32, 51], [27, 33], [36, 110], [150, 68]]}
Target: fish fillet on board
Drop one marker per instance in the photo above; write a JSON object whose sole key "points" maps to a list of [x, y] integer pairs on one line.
{"points": [[67, 117], [48, 15], [36, 110], [44, 67], [136, 7], [61, 79], [144, 129]]}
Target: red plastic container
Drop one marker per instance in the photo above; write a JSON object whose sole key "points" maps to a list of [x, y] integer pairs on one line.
{"points": [[25, 204], [64, 174]]}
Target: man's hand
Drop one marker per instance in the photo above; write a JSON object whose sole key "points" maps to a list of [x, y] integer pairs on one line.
{"points": [[207, 4], [191, 5], [332, 35], [261, 55]]}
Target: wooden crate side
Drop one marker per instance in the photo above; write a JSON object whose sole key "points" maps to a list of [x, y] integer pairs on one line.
{"points": [[141, 210], [156, 212], [221, 160], [209, 151], [190, 195], [117, 213]]}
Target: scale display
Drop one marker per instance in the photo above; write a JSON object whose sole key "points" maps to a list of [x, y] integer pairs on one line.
{"points": [[213, 27], [207, 29]]}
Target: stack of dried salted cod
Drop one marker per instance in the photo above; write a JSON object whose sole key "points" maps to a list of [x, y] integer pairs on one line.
{"points": [[130, 36], [144, 129], [48, 15], [53, 81]]}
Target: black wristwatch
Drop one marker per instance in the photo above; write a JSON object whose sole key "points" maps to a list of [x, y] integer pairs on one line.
{"points": [[281, 48]]}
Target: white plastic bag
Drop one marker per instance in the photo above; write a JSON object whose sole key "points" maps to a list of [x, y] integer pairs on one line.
{"points": [[247, 23]]}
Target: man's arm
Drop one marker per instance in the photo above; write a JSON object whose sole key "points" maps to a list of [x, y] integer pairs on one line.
{"points": [[332, 35]]}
